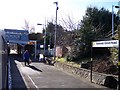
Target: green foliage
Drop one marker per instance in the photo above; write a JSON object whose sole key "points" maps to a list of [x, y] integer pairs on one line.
{"points": [[69, 57], [95, 26], [114, 55], [114, 51]]}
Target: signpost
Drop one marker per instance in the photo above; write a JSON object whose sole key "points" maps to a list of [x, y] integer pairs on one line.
{"points": [[109, 43]]}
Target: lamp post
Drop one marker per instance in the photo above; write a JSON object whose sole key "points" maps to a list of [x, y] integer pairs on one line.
{"points": [[44, 37], [119, 43], [55, 31], [113, 19]]}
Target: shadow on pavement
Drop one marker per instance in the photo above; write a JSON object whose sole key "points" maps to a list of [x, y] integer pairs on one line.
{"points": [[34, 68]]}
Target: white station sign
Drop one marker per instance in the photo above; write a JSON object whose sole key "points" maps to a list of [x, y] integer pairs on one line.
{"points": [[110, 43]]}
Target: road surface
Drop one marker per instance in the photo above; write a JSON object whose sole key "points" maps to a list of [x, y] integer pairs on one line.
{"points": [[40, 75]]}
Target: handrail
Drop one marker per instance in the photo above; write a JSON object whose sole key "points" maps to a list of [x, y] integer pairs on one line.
{"points": [[110, 34]]}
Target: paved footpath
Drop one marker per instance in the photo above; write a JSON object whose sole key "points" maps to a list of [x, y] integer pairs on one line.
{"points": [[39, 75]]}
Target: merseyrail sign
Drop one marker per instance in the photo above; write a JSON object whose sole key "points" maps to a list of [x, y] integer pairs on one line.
{"points": [[110, 43]]}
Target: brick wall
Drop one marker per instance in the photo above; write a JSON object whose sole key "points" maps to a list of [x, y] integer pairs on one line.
{"points": [[98, 78]]}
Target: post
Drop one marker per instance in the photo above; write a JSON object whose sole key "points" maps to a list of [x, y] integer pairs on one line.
{"points": [[35, 49], [55, 31], [91, 65], [119, 43], [43, 29], [112, 21], [50, 39], [45, 42], [44, 36]]}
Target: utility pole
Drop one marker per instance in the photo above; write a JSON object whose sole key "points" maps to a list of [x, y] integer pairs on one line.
{"points": [[119, 42], [45, 40], [44, 35], [55, 31], [113, 19]]}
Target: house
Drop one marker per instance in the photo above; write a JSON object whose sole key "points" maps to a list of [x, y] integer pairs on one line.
{"points": [[61, 51]]}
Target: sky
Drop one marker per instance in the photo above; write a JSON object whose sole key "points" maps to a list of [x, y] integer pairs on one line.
{"points": [[13, 13]]}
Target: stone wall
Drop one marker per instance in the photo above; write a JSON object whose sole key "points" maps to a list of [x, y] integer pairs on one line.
{"points": [[98, 78]]}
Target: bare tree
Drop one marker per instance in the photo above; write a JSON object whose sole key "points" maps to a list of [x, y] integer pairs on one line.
{"points": [[28, 27], [69, 23]]}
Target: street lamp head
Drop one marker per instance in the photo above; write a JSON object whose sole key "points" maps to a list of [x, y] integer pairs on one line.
{"points": [[55, 3], [117, 7], [39, 24]]}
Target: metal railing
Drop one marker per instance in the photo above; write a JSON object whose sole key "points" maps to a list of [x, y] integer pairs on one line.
{"points": [[109, 35]]}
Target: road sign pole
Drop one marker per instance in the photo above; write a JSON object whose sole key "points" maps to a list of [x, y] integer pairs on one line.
{"points": [[91, 65]]}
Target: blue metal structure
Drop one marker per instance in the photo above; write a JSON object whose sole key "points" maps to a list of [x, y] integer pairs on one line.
{"points": [[17, 36], [3, 61]]}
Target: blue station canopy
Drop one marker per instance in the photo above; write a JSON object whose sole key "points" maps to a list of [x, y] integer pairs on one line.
{"points": [[17, 36]]}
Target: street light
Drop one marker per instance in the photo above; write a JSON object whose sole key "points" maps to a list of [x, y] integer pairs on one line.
{"points": [[55, 31], [113, 18], [119, 43], [39, 24], [44, 36]]}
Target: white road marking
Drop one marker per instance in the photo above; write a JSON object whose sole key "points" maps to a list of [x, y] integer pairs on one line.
{"points": [[9, 76], [23, 70], [20, 65], [33, 82]]}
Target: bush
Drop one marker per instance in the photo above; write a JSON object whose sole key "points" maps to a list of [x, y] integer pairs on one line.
{"points": [[72, 57], [69, 57]]}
